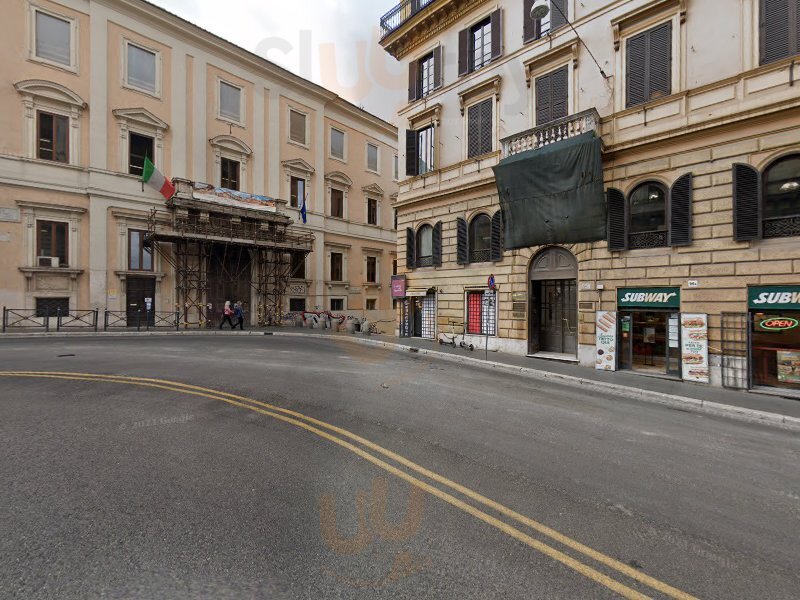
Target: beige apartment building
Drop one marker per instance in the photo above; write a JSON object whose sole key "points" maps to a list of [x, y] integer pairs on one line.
{"points": [[628, 175], [90, 88]]}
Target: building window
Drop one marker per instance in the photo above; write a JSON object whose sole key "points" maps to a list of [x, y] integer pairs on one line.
{"points": [[297, 127], [337, 144], [481, 313], [394, 218], [552, 96], [781, 212], [53, 39], [425, 70], [372, 211], [53, 137], [297, 305], [141, 68], [337, 304], [779, 29], [534, 29], [425, 75], [396, 168], [649, 65], [648, 216], [479, 129], [480, 44], [51, 243], [337, 203], [372, 304], [394, 267], [297, 191], [337, 266], [372, 157], [140, 258], [372, 269], [139, 148], [50, 307], [298, 266], [230, 102], [420, 151], [480, 239], [229, 174], [425, 246]]}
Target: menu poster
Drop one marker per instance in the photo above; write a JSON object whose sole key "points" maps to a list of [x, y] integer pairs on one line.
{"points": [[789, 367], [694, 348], [606, 353]]}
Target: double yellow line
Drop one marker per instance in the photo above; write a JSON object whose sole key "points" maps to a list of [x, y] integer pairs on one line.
{"points": [[359, 446]]}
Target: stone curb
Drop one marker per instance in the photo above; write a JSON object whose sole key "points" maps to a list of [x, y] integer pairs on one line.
{"points": [[738, 413]]}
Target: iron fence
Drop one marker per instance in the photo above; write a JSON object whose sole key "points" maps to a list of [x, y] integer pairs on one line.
{"points": [[25, 318], [77, 319], [400, 14]]}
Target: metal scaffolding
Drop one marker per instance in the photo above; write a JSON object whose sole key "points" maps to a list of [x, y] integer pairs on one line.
{"points": [[226, 250]]}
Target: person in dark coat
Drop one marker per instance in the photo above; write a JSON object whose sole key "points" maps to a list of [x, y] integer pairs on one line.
{"points": [[238, 314]]}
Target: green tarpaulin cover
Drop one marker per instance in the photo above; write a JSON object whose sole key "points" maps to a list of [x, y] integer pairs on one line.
{"points": [[554, 194]]}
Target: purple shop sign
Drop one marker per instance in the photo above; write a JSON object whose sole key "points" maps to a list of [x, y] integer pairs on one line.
{"points": [[398, 286]]}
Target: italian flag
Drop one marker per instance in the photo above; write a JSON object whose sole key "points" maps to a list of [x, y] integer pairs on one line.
{"points": [[156, 180]]}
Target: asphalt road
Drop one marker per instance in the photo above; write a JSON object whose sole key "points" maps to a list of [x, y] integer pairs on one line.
{"points": [[367, 473]]}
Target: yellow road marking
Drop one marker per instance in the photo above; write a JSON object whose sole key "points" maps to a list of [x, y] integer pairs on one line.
{"points": [[248, 403]]}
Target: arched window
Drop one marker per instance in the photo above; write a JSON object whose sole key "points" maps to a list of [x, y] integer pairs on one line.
{"points": [[647, 205], [425, 246], [782, 189], [480, 239]]}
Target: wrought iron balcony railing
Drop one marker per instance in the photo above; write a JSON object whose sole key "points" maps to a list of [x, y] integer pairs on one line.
{"points": [[401, 13], [549, 133]]}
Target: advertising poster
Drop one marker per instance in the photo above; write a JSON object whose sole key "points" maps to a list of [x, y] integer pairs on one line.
{"points": [[606, 353], [789, 367], [694, 348]]}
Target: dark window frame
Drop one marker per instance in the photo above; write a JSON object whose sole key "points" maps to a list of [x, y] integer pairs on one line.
{"points": [[294, 302], [294, 191], [484, 29], [337, 307], [769, 50], [374, 302], [650, 238], [650, 86], [54, 227], [42, 309], [787, 223], [425, 260], [483, 130], [298, 267], [426, 71], [335, 193], [337, 266], [429, 150], [477, 252], [372, 211], [59, 133], [134, 168], [372, 269], [141, 252], [230, 179]]}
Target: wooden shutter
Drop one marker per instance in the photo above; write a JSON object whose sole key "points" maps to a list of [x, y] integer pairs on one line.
{"points": [[746, 203], [496, 254], [680, 212], [543, 95], [437, 244], [438, 79], [479, 129], [463, 52], [636, 70], [412, 159], [559, 90], [413, 81], [462, 241], [617, 220], [659, 76], [558, 18], [530, 31], [411, 255], [497, 33], [775, 30]]}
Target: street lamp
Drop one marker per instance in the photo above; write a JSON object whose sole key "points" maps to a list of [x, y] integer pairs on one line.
{"points": [[540, 9]]}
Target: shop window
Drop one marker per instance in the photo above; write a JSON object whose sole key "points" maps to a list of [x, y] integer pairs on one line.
{"points": [[50, 307], [139, 148], [767, 205], [337, 264], [480, 239], [337, 304], [229, 174], [481, 313], [140, 257], [53, 137], [51, 244]]}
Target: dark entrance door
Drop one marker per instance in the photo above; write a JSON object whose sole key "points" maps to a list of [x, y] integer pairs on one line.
{"points": [[137, 291], [553, 315], [229, 279]]}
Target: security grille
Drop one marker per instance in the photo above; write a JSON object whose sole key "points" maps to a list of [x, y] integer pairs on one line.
{"points": [[650, 239], [429, 317], [478, 256], [736, 350], [785, 227], [481, 313], [49, 307]]}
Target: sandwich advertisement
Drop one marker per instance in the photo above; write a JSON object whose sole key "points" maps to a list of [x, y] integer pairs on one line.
{"points": [[606, 352], [694, 348]]}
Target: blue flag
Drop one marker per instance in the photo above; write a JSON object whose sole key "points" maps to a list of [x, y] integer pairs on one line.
{"points": [[303, 208]]}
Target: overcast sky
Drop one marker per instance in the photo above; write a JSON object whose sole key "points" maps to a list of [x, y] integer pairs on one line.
{"points": [[332, 42]]}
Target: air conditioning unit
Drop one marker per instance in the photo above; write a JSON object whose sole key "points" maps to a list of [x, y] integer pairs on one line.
{"points": [[48, 261]]}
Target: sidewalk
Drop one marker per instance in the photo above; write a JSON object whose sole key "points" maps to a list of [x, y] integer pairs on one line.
{"points": [[747, 406]]}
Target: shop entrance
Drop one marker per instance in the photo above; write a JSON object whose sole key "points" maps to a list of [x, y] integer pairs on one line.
{"points": [[776, 349], [553, 313], [419, 316], [650, 342]]}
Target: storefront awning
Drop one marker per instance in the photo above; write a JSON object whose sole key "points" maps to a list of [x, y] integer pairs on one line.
{"points": [[554, 194]]}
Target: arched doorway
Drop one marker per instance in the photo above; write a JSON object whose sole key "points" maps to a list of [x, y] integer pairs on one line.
{"points": [[553, 312]]}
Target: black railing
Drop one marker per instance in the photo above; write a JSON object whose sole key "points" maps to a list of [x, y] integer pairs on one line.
{"points": [[25, 318], [77, 319], [88, 320], [401, 13], [648, 239]]}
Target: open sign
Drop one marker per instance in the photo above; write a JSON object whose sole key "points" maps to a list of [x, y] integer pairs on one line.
{"points": [[779, 324]]}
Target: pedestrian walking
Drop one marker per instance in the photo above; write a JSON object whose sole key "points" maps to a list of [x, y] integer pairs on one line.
{"points": [[227, 314], [238, 313]]}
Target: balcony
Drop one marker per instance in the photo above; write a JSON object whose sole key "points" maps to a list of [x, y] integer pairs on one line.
{"points": [[549, 133], [401, 13]]}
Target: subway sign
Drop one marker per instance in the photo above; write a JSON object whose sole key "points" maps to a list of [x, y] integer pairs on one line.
{"points": [[778, 324], [649, 297], [786, 297]]}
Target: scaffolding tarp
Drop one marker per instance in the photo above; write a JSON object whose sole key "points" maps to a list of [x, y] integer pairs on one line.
{"points": [[554, 194], [233, 198]]}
